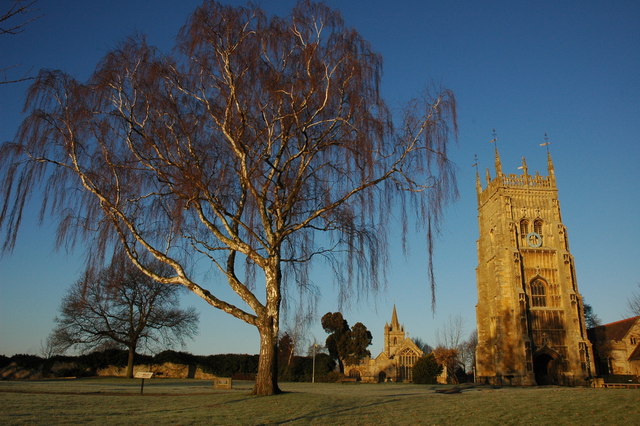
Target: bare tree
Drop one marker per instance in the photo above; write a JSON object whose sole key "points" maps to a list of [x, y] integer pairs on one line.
{"points": [[121, 305], [450, 346], [467, 351], [258, 135], [633, 303], [450, 334], [49, 347], [12, 22]]}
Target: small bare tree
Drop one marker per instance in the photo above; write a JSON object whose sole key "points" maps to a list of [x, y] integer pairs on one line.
{"points": [[258, 135], [450, 334], [467, 351], [122, 306]]}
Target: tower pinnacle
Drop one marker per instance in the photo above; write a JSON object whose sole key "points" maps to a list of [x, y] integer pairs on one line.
{"points": [[525, 169], [498, 163], [550, 169]]}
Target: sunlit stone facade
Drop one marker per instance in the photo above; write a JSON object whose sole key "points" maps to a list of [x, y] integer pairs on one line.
{"points": [[530, 317]]}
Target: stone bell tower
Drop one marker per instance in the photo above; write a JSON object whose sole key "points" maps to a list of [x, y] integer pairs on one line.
{"points": [[530, 317]]}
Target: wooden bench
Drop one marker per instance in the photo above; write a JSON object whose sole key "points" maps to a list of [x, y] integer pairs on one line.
{"points": [[222, 383], [621, 385], [349, 380]]}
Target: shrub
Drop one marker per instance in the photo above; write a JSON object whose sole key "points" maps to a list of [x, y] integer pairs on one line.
{"points": [[331, 377], [426, 370]]}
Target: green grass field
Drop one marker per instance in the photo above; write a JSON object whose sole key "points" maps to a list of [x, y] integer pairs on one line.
{"points": [[169, 401]]}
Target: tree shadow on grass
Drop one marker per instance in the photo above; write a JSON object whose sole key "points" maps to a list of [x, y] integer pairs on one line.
{"points": [[319, 414]]}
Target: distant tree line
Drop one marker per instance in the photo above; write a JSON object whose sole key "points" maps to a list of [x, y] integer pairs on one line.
{"points": [[237, 366]]}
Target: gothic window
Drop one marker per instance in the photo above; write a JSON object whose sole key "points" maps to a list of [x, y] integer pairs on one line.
{"points": [[537, 226], [406, 360], [524, 227], [538, 293]]}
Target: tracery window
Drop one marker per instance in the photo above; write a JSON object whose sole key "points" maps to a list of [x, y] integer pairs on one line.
{"points": [[538, 293], [537, 227], [406, 360], [524, 227]]}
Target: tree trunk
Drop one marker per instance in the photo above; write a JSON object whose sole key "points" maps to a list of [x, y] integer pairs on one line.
{"points": [[132, 353], [267, 377]]}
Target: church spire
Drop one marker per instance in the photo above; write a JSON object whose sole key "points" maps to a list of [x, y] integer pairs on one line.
{"points": [[395, 325]]}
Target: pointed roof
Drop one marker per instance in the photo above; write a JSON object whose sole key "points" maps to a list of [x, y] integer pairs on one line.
{"points": [[394, 319]]}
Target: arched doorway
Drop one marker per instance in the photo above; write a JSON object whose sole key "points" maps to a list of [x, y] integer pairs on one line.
{"points": [[354, 374], [545, 368], [382, 377]]}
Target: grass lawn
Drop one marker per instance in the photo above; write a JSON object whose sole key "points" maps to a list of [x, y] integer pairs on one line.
{"points": [[173, 401]]}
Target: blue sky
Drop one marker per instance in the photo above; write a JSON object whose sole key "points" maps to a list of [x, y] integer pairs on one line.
{"points": [[568, 68]]}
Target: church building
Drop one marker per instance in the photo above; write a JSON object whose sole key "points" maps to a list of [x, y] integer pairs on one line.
{"points": [[394, 363], [530, 316]]}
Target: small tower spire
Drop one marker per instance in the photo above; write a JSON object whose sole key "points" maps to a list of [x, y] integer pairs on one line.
{"points": [[475, 164], [488, 176], [525, 169], [498, 163], [550, 168]]}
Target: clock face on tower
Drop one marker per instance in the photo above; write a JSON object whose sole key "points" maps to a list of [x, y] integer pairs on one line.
{"points": [[534, 239]]}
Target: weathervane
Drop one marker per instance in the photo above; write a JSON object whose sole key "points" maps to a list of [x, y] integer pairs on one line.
{"points": [[546, 142], [475, 162], [494, 139]]}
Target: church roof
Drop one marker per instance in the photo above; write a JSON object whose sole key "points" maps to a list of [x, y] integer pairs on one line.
{"points": [[613, 331]]}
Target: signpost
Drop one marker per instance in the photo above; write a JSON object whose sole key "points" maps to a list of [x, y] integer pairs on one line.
{"points": [[143, 375]]}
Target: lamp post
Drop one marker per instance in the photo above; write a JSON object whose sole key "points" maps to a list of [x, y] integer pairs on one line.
{"points": [[313, 368]]}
